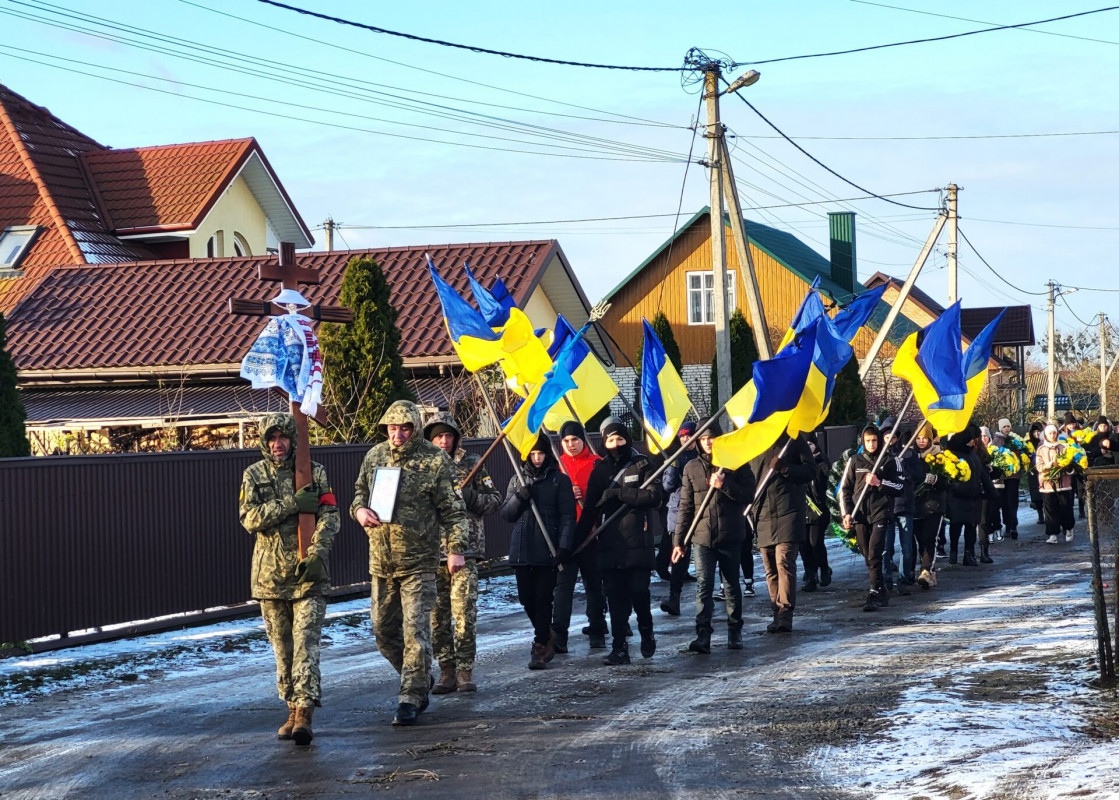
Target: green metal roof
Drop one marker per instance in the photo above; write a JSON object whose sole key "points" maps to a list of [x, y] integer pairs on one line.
{"points": [[795, 256]]}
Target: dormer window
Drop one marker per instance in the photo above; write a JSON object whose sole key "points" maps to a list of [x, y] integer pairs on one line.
{"points": [[15, 241]]}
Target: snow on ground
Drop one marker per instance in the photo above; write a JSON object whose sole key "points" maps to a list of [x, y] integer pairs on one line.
{"points": [[189, 650], [1016, 702]]}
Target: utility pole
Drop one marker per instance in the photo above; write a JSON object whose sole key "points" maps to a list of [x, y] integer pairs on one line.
{"points": [[718, 235], [953, 221], [328, 233], [1103, 365], [1052, 408]]}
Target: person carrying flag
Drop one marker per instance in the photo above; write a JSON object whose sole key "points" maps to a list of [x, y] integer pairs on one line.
{"points": [[578, 461], [672, 482], [626, 547], [866, 497]]}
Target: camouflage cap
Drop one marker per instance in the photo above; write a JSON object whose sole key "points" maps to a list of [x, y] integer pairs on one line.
{"points": [[401, 412], [285, 423]]}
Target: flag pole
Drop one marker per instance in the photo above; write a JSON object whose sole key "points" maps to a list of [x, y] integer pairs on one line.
{"points": [[517, 469], [489, 451], [881, 454], [699, 514]]}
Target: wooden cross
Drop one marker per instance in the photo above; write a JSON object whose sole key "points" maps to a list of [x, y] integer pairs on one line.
{"points": [[290, 275]]}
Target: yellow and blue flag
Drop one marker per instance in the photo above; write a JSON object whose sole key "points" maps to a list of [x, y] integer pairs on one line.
{"points": [[664, 399], [765, 406], [811, 309], [517, 429], [848, 321], [932, 361], [829, 355], [593, 388], [975, 376], [477, 344], [494, 304]]}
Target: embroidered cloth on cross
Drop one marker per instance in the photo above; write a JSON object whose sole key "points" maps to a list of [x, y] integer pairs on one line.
{"points": [[286, 355]]}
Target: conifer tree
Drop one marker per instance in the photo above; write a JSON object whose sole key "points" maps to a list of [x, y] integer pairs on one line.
{"points": [[13, 437], [743, 352], [848, 398], [362, 367]]}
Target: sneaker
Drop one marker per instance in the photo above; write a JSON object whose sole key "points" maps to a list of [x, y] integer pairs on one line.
{"points": [[598, 641], [1052, 539], [1068, 536], [1014, 534], [718, 596], [536, 657], [940, 551], [923, 580], [904, 588], [825, 577], [871, 603], [748, 587], [616, 658], [997, 535]]}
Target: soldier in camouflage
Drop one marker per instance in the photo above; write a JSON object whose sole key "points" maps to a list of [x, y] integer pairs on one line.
{"points": [[291, 591], [404, 553], [457, 595]]}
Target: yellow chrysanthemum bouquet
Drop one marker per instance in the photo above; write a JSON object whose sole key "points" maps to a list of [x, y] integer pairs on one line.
{"points": [[1072, 459], [947, 465], [1004, 461]]}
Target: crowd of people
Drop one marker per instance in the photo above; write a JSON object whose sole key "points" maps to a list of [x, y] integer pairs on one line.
{"points": [[616, 518]]}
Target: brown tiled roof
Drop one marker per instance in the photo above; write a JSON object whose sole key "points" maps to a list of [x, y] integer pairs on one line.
{"points": [[1016, 328], [163, 313], [933, 307], [164, 188]]}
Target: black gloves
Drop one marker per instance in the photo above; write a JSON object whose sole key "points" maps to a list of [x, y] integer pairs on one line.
{"points": [[524, 494], [469, 496], [311, 570], [307, 500], [613, 493], [563, 556]]}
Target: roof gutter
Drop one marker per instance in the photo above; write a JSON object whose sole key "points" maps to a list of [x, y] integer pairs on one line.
{"points": [[42, 378]]}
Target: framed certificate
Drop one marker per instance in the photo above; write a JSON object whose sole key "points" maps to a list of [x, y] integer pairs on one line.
{"points": [[382, 494]]}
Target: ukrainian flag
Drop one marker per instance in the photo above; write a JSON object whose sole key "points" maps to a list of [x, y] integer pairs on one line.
{"points": [[848, 321], [975, 377], [829, 355], [593, 387], [517, 429], [495, 305], [811, 308], [664, 399], [932, 361], [764, 407]]}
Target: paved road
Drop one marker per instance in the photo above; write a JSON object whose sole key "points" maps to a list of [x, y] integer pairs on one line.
{"points": [[786, 717]]}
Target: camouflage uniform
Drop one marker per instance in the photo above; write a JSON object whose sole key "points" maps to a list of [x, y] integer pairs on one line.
{"points": [[293, 612], [404, 554], [457, 595]]}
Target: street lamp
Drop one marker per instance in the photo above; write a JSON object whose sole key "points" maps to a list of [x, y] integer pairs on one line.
{"points": [[742, 81]]}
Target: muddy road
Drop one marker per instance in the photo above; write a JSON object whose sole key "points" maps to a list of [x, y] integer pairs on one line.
{"points": [[979, 688]]}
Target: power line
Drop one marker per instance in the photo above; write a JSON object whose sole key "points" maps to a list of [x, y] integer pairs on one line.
{"points": [[679, 205], [993, 270], [471, 48], [1089, 289], [825, 166], [918, 41], [1045, 224], [1047, 134], [607, 219], [1069, 307], [981, 22], [622, 119]]}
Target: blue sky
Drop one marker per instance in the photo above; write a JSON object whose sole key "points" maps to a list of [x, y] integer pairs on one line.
{"points": [[1008, 82]]}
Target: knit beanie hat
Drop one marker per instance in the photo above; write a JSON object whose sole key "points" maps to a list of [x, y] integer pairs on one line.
{"points": [[1004, 423], [615, 427], [572, 428]]}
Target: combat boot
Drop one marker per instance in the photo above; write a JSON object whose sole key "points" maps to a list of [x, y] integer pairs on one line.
{"points": [[301, 733], [969, 558], [619, 655], [447, 682], [985, 554], [700, 644], [648, 642], [465, 680], [671, 606], [734, 639], [285, 730], [825, 576], [406, 714], [598, 641]]}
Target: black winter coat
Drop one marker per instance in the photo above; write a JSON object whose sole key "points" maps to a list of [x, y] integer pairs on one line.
{"points": [[878, 505], [910, 473], [965, 498], [818, 492], [934, 502], [551, 491], [781, 509], [671, 481], [722, 524], [629, 541]]}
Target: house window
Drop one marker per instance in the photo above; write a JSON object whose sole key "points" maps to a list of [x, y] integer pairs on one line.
{"points": [[241, 246], [15, 241], [215, 245], [701, 296]]}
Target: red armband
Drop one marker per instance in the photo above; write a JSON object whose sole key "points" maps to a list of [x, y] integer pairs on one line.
{"points": [[327, 499]]}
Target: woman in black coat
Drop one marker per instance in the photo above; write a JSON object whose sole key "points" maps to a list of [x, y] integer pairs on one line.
{"points": [[965, 498], [625, 548], [1035, 489], [930, 503], [529, 554]]}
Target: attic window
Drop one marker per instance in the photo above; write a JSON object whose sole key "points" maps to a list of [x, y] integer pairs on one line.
{"points": [[15, 241]]}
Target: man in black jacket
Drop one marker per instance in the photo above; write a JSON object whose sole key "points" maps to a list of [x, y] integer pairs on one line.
{"points": [[626, 547], [782, 474], [875, 514], [716, 540]]}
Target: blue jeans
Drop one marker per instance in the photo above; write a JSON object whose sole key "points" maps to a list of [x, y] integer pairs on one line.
{"points": [[727, 560], [904, 527]]}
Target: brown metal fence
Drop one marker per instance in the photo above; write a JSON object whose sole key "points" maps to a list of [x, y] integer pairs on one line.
{"points": [[95, 541]]}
